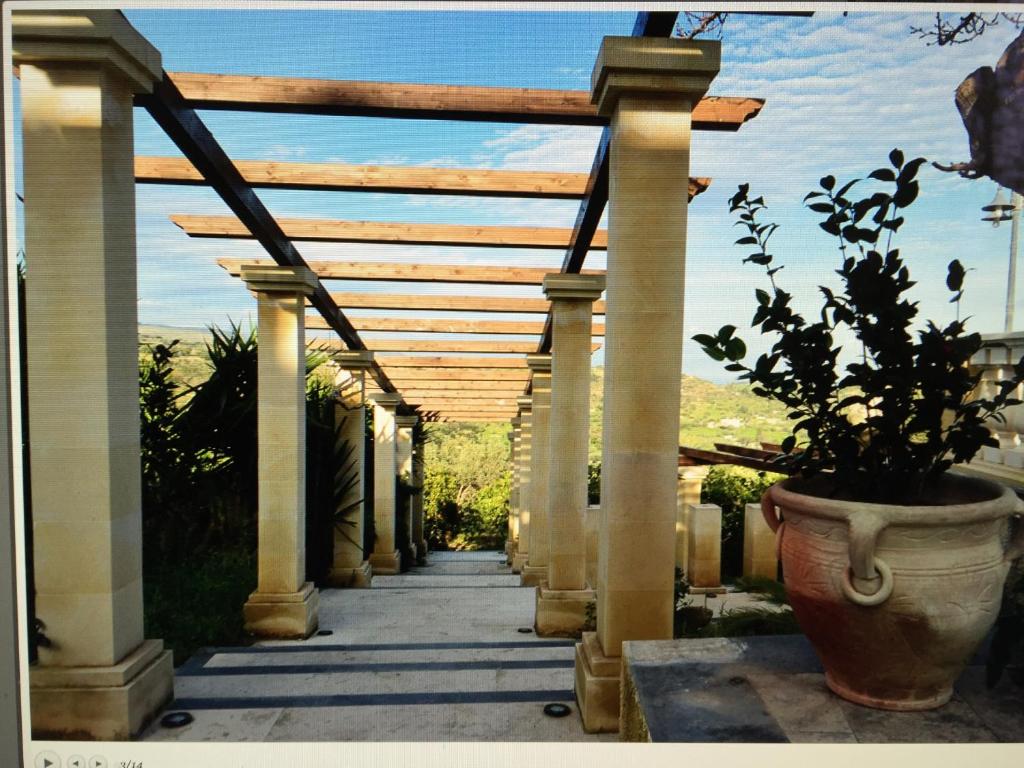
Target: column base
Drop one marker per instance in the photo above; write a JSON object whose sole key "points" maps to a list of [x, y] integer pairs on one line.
{"points": [[385, 564], [285, 616], [101, 703], [356, 578], [598, 684], [533, 575], [421, 552], [518, 561], [562, 612]]}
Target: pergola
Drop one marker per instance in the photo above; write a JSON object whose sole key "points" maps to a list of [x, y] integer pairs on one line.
{"points": [[648, 93]]}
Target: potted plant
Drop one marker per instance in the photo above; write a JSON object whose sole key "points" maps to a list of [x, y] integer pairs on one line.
{"points": [[893, 565]]}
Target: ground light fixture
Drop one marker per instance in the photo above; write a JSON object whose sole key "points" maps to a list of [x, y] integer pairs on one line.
{"points": [[176, 719], [1001, 210], [557, 710]]}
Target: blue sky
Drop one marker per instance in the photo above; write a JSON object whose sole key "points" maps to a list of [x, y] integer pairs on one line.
{"points": [[840, 91]]}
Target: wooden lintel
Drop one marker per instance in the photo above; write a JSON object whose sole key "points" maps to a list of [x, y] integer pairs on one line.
{"points": [[443, 303], [390, 232], [299, 95], [415, 273]]}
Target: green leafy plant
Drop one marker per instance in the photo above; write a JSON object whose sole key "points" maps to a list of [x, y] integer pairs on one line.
{"points": [[732, 488], [890, 423]]}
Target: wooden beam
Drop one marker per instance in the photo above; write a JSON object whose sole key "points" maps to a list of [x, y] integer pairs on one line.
{"points": [[389, 324], [397, 179], [415, 273], [658, 24], [464, 418], [523, 347], [183, 126], [415, 395], [481, 363], [309, 96], [463, 403], [375, 178], [470, 407], [440, 303], [425, 385], [393, 232], [407, 375]]}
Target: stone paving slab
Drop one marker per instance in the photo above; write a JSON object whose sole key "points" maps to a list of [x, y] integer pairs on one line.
{"points": [[431, 655], [382, 655], [765, 689]]}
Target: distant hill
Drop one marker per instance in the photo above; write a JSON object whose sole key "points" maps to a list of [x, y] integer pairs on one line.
{"points": [[190, 361], [708, 413]]}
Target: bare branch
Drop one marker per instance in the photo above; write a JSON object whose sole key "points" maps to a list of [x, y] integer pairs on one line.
{"points": [[701, 23], [948, 31]]}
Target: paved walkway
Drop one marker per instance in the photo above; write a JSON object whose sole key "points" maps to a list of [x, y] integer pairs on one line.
{"points": [[430, 655]]}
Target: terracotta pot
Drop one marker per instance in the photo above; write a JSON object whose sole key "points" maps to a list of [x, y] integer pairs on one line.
{"points": [[895, 599]]}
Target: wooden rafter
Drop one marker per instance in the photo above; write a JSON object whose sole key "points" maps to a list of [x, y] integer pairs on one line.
{"points": [[389, 232], [584, 231], [495, 347], [406, 375], [513, 328], [183, 126], [425, 385], [300, 95], [441, 303], [416, 273], [499, 404], [479, 363], [338, 177]]}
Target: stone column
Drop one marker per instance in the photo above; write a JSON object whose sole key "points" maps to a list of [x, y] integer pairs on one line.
{"points": [[562, 602], [648, 87], [536, 569], [691, 479], [704, 563], [99, 678], [515, 494], [386, 559], [759, 557], [403, 459], [510, 536], [350, 567], [525, 403], [592, 524], [284, 603], [418, 467]]}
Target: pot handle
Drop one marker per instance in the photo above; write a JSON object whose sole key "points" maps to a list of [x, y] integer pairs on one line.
{"points": [[1015, 548], [865, 566], [768, 510]]}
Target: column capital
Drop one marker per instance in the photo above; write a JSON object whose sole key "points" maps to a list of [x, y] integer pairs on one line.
{"points": [[516, 422], [103, 38], [265, 278], [353, 359], [539, 363], [652, 66], [388, 400], [696, 472], [560, 285], [406, 422], [525, 402]]}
